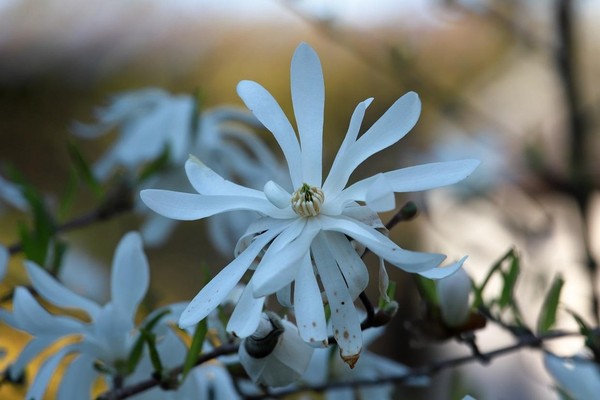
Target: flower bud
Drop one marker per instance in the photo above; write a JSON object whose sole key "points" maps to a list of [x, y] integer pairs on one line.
{"points": [[275, 355], [453, 294]]}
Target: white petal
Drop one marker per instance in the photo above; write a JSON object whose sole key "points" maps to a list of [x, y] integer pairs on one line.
{"points": [[42, 378], [284, 296], [380, 196], [54, 292], [442, 272], [77, 381], [246, 316], [292, 351], [333, 184], [308, 305], [578, 376], [130, 274], [344, 318], [277, 195], [270, 114], [206, 181], [32, 349], [413, 179], [351, 265], [219, 287], [379, 244], [308, 98], [254, 367], [391, 127], [34, 319], [188, 206], [453, 294], [4, 256], [281, 261]]}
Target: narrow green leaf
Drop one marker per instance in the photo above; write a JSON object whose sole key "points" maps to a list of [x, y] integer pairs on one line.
{"points": [[150, 339], [547, 316], [83, 169], [510, 280], [427, 290], [158, 164], [478, 290], [195, 348], [137, 350]]}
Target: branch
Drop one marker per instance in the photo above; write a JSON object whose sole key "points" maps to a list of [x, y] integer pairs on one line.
{"points": [[526, 341]]}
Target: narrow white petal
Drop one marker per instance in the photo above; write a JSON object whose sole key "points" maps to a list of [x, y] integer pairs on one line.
{"points": [[280, 264], [284, 296], [393, 125], [54, 292], [206, 181], [351, 265], [188, 206], [442, 272], [4, 256], [380, 196], [381, 245], [42, 378], [333, 184], [308, 98], [32, 349], [130, 274], [270, 114], [77, 381], [247, 313], [578, 376], [277, 195], [308, 305], [412, 179], [219, 287], [34, 319], [344, 318]]}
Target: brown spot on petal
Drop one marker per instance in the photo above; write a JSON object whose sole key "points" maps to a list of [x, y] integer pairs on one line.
{"points": [[346, 335], [350, 360], [314, 324]]}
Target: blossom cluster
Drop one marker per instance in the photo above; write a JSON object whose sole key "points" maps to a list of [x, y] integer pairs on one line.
{"points": [[297, 234]]}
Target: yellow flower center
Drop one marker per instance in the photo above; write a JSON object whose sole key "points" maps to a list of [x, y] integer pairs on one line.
{"points": [[307, 200]]}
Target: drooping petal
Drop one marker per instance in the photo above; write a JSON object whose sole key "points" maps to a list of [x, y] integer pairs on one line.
{"points": [[42, 378], [34, 319], [308, 98], [284, 296], [393, 125], [280, 264], [54, 292], [308, 305], [208, 182], [381, 245], [351, 265], [413, 179], [333, 184], [188, 206], [219, 287], [77, 381], [130, 274], [246, 316], [442, 272], [344, 317], [277, 195], [270, 114]]}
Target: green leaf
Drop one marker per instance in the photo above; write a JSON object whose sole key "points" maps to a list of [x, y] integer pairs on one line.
{"points": [[150, 339], [59, 249], [547, 316], [83, 169], [137, 350], [195, 348], [427, 290], [158, 164], [478, 292], [510, 280]]}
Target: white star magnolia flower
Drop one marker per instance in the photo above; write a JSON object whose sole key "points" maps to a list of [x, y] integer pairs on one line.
{"points": [[453, 293], [307, 232], [108, 337], [149, 120]]}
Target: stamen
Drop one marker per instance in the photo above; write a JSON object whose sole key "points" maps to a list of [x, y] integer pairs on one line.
{"points": [[307, 200]]}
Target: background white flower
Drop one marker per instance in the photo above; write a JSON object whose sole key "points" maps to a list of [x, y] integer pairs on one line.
{"points": [[311, 225], [578, 376], [453, 294], [107, 338]]}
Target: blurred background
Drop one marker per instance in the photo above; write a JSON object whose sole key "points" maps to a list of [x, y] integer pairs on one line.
{"points": [[511, 82]]}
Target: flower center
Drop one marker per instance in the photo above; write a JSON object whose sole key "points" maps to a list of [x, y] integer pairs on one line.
{"points": [[307, 200]]}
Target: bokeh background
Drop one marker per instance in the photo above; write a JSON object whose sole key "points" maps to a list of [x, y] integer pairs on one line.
{"points": [[492, 79]]}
